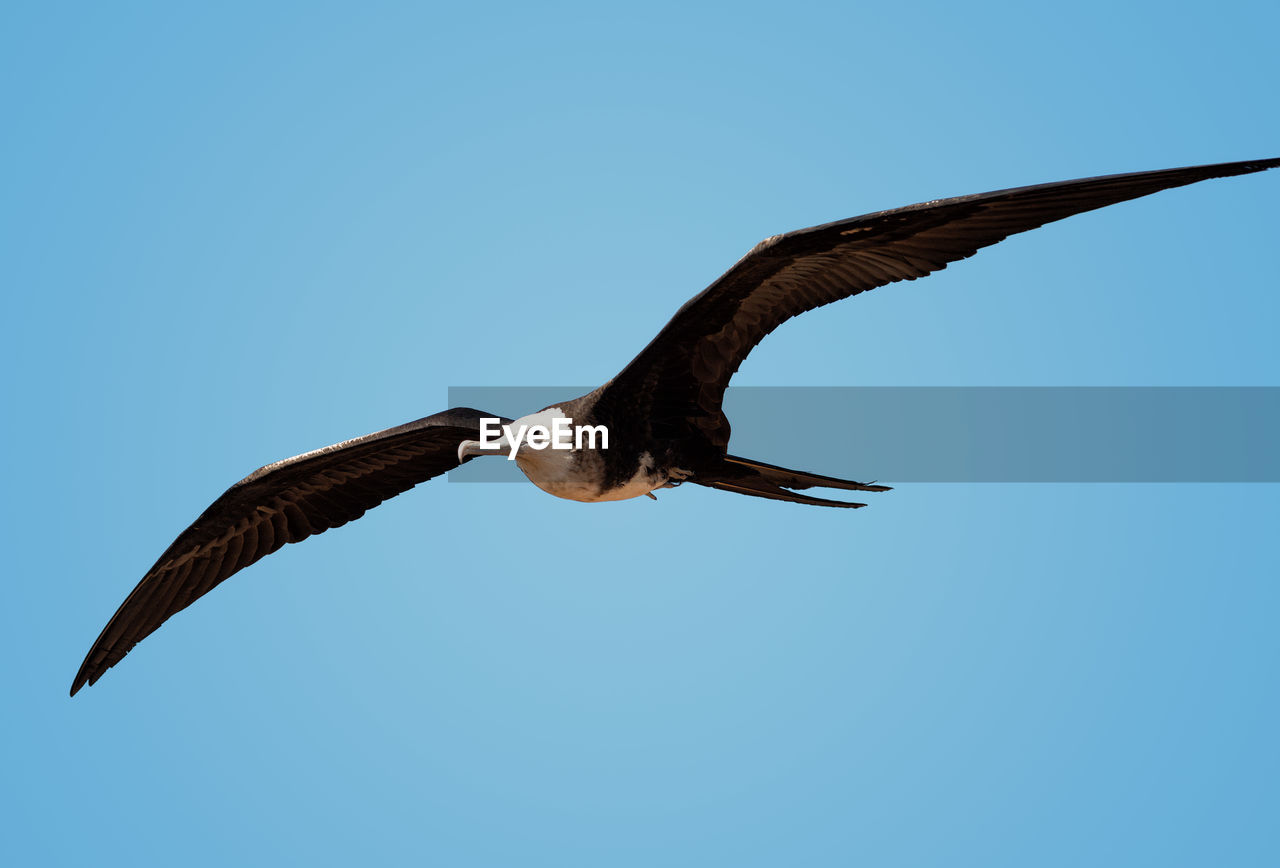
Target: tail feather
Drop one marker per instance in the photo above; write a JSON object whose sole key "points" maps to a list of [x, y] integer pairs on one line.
{"points": [[757, 479], [761, 488], [799, 479]]}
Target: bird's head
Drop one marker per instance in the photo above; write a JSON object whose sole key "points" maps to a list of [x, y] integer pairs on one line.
{"points": [[499, 445], [528, 440]]}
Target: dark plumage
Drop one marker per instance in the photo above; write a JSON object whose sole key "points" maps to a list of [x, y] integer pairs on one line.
{"points": [[281, 503], [663, 410]]}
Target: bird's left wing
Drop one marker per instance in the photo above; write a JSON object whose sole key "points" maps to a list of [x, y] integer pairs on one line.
{"points": [[281, 503]]}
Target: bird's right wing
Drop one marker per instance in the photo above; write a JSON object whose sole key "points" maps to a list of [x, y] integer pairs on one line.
{"points": [[281, 503], [678, 380]]}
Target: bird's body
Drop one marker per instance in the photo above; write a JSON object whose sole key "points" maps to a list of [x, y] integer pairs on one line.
{"points": [[582, 475], [591, 471], [662, 414]]}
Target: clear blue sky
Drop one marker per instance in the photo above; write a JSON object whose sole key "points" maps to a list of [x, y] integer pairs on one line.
{"points": [[235, 232]]}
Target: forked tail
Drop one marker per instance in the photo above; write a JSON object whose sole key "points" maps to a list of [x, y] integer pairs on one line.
{"points": [[757, 479]]}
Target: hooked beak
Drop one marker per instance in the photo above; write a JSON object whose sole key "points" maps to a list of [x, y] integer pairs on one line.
{"points": [[468, 449]]}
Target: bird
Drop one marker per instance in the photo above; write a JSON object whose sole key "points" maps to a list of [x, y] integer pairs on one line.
{"points": [[658, 424]]}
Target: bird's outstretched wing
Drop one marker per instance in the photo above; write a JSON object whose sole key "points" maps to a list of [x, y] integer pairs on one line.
{"points": [[281, 503], [678, 380]]}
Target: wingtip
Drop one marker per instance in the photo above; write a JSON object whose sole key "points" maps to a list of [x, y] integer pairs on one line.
{"points": [[83, 677], [1245, 167]]}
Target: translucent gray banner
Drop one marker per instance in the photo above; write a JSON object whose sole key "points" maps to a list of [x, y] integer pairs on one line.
{"points": [[974, 434]]}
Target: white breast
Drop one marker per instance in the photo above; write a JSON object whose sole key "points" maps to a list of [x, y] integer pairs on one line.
{"points": [[578, 475]]}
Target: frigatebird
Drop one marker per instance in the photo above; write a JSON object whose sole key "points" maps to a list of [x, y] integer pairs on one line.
{"points": [[662, 413]]}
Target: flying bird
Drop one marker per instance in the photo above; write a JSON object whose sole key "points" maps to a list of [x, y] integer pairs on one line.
{"points": [[662, 414]]}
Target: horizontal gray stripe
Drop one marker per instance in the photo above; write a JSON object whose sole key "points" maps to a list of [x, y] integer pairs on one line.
{"points": [[974, 434]]}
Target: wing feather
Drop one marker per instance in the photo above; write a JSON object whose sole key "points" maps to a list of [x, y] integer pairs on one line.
{"points": [[678, 380], [281, 503]]}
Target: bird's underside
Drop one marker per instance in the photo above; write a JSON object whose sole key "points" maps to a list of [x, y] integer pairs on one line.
{"points": [[663, 411]]}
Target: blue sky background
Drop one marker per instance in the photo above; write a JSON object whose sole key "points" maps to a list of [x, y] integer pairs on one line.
{"points": [[231, 234]]}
